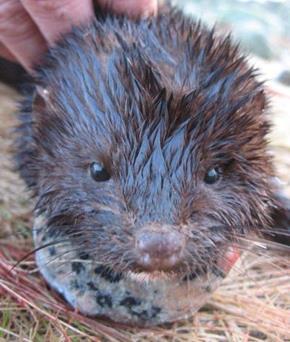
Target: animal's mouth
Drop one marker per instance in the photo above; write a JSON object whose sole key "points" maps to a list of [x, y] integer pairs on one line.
{"points": [[152, 276], [222, 266]]}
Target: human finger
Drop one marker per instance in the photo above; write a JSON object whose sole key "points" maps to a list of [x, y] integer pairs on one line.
{"points": [[4, 52], [54, 18], [19, 34]]}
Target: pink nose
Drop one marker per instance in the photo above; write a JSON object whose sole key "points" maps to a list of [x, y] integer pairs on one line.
{"points": [[159, 249]]}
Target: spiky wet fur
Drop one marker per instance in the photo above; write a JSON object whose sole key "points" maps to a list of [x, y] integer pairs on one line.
{"points": [[158, 102]]}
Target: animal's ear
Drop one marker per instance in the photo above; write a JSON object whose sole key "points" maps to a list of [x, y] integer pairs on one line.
{"points": [[41, 107], [30, 116], [40, 99]]}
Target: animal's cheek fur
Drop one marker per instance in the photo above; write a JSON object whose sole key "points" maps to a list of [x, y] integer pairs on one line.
{"points": [[248, 192], [208, 206]]}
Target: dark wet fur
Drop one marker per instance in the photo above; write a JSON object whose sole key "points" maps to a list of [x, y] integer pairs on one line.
{"points": [[12, 74], [158, 102]]}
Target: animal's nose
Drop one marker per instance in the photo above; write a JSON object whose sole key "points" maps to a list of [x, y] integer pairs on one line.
{"points": [[159, 249]]}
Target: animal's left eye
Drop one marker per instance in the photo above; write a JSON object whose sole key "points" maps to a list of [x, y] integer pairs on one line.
{"points": [[98, 172], [212, 176]]}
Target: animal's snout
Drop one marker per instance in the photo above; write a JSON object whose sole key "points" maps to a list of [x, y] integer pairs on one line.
{"points": [[159, 249]]}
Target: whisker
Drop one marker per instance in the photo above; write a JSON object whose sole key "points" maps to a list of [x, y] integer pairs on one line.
{"points": [[27, 255]]}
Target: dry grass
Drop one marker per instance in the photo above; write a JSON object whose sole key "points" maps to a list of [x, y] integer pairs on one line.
{"points": [[253, 304]]}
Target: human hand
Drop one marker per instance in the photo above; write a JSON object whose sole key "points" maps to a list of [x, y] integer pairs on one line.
{"points": [[28, 27]]}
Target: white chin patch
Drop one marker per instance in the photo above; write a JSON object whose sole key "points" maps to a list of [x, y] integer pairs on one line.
{"points": [[150, 276]]}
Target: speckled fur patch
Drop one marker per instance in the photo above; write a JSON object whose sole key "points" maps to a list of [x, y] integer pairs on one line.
{"points": [[96, 290]]}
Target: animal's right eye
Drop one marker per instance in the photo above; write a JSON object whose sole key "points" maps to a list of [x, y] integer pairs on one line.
{"points": [[98, 172], [212, 176]]}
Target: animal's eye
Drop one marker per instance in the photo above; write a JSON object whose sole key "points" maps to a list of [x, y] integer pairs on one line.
{"points": [[98, 172], [212, 176]]}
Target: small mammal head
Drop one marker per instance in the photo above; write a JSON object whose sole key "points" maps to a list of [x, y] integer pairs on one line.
{"points": [[148, 145]]}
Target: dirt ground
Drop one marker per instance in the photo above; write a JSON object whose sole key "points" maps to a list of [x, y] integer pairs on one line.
{"points": [[253, 304]]}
